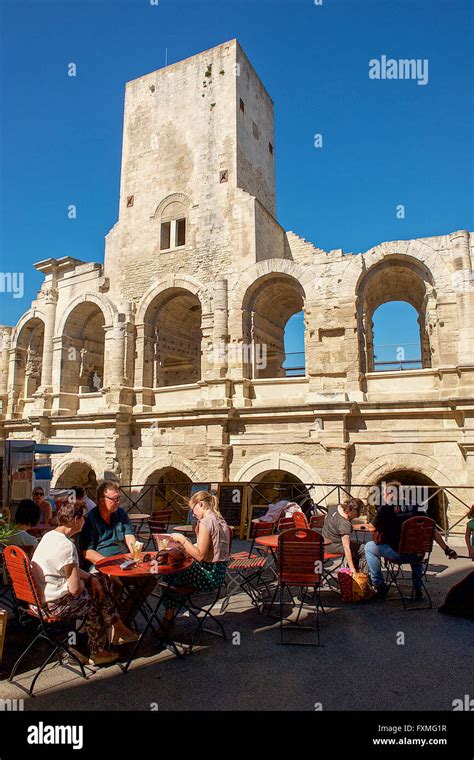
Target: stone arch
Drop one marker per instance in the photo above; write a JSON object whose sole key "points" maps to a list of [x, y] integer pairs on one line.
{"points": [[393, 277], [282, 461], [33, 313], [301, 274], [182, 282], [164, 462], [268, 303], [178, 198], [106, 306], [62, 464], [387, 463], [170, 332]]}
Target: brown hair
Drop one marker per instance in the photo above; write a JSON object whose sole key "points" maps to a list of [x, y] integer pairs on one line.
{"points": [[209, 500], [353, 505], [68, 510], [470, 514], [106, 485]]}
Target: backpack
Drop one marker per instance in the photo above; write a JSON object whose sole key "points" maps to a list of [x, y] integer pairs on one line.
{"points": [[460, 598]]}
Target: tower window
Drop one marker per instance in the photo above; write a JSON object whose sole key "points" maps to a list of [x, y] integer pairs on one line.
{"points": [[130, 201], [165, 237], [223, 175], [180, 232], [242, 105], [270, 148]]}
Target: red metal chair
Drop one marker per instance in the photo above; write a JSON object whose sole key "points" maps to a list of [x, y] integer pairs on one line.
{"points": [[416, 539], [316, 522], [260, 528], [300, 565], [285, 523], [158, 522], [300, 520], [244, 573], [26, 593]]}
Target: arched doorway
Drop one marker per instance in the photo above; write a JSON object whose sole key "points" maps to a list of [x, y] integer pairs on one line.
{"points": [[167, 489], [423, 490], [276, 485], [79, 474]]}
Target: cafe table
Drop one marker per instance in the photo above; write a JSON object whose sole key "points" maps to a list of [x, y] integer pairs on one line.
{"points": [[111, 566]]}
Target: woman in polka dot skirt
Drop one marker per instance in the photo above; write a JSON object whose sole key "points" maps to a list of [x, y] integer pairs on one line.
{"points": [[211, 552]]}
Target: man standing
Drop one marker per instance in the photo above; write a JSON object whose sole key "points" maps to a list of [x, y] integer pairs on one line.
{"points": [[388, 522], [108, 531]]}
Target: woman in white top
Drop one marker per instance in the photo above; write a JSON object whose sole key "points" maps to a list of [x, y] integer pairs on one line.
{"points": [[211, 553], [69, 591]]}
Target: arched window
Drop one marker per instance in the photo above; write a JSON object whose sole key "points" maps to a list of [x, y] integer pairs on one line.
{"points": [[396, 337], [274, 328], [173, 226], [394, 301]]}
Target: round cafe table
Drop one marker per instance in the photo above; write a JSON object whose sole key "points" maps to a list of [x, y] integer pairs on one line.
{"points": [[111, 566]]}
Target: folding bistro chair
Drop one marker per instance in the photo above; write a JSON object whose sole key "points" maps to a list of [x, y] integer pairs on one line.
{"points": [[416, 539], [6, 596], [316, 522], [300, 563], [26, 592], [158, 522], [260, 528], [300, 520]]}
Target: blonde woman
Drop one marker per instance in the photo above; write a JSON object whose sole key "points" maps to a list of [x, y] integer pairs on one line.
{"points": [[210, 552]]}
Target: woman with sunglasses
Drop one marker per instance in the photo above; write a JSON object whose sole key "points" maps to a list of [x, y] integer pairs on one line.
{"points": [[210, 552]]}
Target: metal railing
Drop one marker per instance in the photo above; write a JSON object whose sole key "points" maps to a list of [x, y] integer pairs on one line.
{"points": [[312, 497]]}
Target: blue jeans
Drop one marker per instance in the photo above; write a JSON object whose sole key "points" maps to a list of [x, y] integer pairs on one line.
{"points": [[373, 554]]}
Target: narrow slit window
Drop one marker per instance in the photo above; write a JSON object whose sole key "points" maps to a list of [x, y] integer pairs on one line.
{"points": [[180, 232], [242, 105], [165, 237]]}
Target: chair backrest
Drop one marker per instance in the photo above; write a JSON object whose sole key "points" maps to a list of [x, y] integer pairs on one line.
{"points": [[300, 557], [261, 529], [285, 523], [417, 535], [300, 520], [19, 570], [158, 522], [316, 521]]}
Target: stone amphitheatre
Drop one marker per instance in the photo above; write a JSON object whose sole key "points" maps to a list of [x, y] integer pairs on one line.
{"points": [[148, 364]]}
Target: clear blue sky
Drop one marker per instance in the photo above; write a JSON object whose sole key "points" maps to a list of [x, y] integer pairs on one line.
{"points": [[384, 142]]}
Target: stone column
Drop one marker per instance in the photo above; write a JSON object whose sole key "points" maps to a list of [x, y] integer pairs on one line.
{"points": [[50, 303], [5, 338], [115, 353]]}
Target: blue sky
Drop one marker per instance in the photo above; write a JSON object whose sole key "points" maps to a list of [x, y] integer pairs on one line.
{"points": [[385, 143]]}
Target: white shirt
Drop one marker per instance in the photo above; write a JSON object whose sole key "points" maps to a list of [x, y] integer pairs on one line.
{"points": [[54, 552]]}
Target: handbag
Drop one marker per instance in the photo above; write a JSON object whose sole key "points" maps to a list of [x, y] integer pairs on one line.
{"points": [[355, 587]]}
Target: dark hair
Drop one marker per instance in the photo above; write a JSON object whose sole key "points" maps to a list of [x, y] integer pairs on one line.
{"points": [[353, 505], [79, 491], [67, 510], [105, 486], [27, 513], [37, 488]]}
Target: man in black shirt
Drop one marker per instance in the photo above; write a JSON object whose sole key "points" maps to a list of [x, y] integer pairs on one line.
{"points": [[388, 522]]}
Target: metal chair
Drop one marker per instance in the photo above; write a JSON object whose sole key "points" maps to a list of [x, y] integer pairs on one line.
{"points": [[158, 522], [416, 540], [316, 522], [300, 520], [26, 593], [300, 564]]}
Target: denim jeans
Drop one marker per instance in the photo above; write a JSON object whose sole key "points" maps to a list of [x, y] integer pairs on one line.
{"points": [[373, 554]]}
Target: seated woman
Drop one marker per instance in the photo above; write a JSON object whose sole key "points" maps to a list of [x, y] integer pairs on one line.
{"points": [[337, 532], [69, 591], [27, 516], [211, 552], [46, 510]]}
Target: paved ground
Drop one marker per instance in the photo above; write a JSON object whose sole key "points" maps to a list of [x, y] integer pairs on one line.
{"points": [[360, 667]]}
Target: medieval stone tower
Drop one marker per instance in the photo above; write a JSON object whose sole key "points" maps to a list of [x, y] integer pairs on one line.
{"points": [[151, 364]]}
